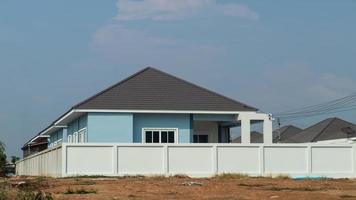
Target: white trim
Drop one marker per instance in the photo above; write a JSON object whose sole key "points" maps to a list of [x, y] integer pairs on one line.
{"points": [[65, 116], [176, 133], [162, 111]]}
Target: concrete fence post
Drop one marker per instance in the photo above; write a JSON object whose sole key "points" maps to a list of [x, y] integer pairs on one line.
{"points": [[64, 160], [115, 159], [215, 159], [166, 160], [309, 160], [262, 160]]}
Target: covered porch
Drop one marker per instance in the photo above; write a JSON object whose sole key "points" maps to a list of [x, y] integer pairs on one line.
{"points": [[217, 128]]}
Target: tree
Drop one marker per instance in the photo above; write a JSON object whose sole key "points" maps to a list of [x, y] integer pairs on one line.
{"points": [[2, 158], [14, 159]]}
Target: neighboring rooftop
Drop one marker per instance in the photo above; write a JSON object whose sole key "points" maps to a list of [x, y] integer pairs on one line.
{"points": [[152, 89], [255, 137], [282, 134], [328, 129]]}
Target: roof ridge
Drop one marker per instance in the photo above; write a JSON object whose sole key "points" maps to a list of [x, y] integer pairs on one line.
{"points": [[112, 86], [203, 88], [332, 119]]}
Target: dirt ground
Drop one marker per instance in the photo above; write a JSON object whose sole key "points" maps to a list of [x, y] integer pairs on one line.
{"points": [[224, 187]]}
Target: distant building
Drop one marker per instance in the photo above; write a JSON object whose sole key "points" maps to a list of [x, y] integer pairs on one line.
{"points": [[282, 134], [35, 145], [326, 130], [256, 137]]}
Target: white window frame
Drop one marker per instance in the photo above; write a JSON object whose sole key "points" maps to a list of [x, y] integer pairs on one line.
{"points": [[70, 138], [83, 132], [175, 130]]}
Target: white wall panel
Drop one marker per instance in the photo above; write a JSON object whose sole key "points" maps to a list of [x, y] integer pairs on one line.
{"points": [[332, 160], [238, 159], [196, 160], [140, 160], [285, 160], [90, 160]]}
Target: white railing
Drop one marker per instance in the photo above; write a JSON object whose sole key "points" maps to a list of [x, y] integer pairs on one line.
{"points": [[203, 160]]}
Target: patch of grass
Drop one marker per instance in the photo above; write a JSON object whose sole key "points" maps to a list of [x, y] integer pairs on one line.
{"points": [[231, 176], [39, 195], [87, 183], [77, 177], [307, 189], [79, 191], [181, 176], [250, 185], [3, 195], [281, 176], [346, 196], [156, 177]]}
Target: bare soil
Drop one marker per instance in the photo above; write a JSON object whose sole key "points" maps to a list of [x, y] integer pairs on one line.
{"points": [[183, 188]]}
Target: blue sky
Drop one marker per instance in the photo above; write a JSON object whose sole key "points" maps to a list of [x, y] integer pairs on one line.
{"points": [[274, 55]]}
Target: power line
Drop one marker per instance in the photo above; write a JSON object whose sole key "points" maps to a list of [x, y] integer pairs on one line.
{"points": [[343, 104]]}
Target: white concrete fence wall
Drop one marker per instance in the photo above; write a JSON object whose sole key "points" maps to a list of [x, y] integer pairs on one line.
{"points": [[202, 160], [44, 163]]}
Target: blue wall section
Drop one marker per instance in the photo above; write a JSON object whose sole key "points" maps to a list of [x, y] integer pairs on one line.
{"points": [[110, 127], [77, 124], [180, 121], [55, 136]]}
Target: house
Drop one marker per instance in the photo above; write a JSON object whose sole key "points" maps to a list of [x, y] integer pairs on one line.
{"points": [[327, 130], [149, 124], [35, 145], [282, 134], [152, 106], [256, 137]]}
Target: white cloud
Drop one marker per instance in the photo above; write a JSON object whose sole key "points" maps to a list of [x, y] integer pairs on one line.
{"points": [[136, 47], [178, 9], [237, 10]]}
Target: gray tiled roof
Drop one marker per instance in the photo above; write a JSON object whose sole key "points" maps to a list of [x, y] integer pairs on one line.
{"points": [[151, 89], [328, 129], [255, 137], [282, 134]]}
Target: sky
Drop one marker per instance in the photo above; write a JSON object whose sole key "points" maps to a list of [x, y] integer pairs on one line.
{"points": [[274, 55]]}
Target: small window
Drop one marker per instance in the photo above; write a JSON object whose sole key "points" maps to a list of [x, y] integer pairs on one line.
{"points": [[164, 137], [155, 136], [200, 138], [171, 137], [148, 136], [160, 136]]}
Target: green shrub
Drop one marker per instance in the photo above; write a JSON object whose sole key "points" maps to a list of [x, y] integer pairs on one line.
{"points": [[79, 191], [39, 195], [231, 176], [3, 195]]}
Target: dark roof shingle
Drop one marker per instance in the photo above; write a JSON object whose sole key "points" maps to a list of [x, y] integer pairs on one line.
{"points": [[255, 137], [151, 89], [282, 134], [328, 129]]}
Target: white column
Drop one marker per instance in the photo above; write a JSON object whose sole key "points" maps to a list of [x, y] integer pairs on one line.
{"points": [[245, 130], [267, 131]]}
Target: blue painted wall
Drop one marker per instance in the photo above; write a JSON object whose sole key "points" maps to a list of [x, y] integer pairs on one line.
{"points": [[180, 121], [55, 136], [110, 127], [77, 124]]}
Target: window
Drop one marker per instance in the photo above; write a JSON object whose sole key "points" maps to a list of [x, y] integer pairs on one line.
{"points": [[200, 138], [160, 135], [82, 135], [70, 139]]}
